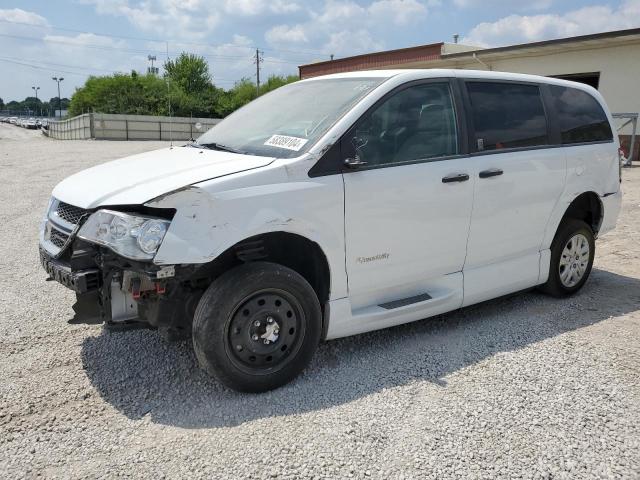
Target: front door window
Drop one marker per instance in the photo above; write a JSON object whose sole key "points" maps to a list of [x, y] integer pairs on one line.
{"points": [[414, 124]]}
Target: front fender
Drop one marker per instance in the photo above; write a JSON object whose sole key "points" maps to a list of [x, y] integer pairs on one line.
{"points": [[209, 221]]}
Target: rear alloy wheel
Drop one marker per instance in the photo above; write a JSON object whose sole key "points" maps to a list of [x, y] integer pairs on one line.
{"points": [[257, 326], [572, 253], [574, 260]]}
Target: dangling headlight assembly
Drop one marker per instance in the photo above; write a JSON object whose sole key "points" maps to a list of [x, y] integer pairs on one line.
{"points": [[132, 236]]}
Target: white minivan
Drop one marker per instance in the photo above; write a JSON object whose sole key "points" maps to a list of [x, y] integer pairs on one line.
{"points": [[339, 205]]}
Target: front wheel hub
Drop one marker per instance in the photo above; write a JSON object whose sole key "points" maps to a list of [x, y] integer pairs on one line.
{"points": [[271, 332]]}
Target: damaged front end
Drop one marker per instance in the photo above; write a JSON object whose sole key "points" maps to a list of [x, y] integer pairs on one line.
{"points": [[105, 257]]}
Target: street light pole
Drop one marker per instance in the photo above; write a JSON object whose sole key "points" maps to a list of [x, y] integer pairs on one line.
{"points": [[35, 89], [56, 79]]}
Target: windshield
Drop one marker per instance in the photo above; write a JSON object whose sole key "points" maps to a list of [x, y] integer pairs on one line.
{"points": [[286, 122]]}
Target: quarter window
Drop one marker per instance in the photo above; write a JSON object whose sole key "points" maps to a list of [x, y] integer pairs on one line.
{"points": [[507, 115], [580, 117], [416, 123]]}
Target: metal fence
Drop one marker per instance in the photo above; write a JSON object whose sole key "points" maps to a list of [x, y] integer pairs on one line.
{"points": [[103, 126], [76, 128]]}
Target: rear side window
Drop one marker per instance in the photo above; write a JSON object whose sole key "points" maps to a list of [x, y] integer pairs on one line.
{"points": [[580, 117], [507, 115]]}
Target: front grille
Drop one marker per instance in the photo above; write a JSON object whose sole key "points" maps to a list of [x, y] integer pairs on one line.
{"points": [[69, 213], [62, 223], [58, 238]]}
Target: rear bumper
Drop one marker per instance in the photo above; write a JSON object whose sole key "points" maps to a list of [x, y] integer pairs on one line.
{"points": [[82, 281], [611, 205]]}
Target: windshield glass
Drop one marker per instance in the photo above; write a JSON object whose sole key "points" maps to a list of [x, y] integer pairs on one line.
{"points": [[286, 122]]}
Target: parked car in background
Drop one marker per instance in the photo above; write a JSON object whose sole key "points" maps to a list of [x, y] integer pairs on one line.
{"points": [[339, 205]]}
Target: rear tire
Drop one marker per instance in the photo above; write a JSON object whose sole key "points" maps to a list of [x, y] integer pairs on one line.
{"points": [[257, 327], [572, 253]]}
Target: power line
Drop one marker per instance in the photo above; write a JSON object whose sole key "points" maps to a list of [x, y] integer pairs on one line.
{"points": [[84, 71], [39, 67], [116, 49], [44, 66], [45, 63], [156, 40]]}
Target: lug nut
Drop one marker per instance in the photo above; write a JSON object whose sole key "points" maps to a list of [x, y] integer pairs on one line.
{"points": [[266, 342], [255, 337], [257, 323], [239, 348]]}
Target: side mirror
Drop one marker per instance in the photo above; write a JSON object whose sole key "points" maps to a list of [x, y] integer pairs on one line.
{"points": [[354, 162], [358, 144]]}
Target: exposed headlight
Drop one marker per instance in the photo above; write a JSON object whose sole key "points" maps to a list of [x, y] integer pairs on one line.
{"points": [[132, 236]]}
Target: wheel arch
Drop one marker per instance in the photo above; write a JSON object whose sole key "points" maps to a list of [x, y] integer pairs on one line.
{"points": [[586, 207], [292, 250]]}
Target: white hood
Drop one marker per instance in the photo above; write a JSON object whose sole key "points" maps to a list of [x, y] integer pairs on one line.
{"points": [[139, 178]]}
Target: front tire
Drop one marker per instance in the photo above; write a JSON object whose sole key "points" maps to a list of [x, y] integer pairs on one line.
{"points": [[257, 327], [572, 254]]}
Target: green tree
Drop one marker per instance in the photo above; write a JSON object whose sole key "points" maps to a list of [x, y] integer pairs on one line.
{"points": [[1, 104], [121, 93], [32, 105], [190, 72], [276, 81], [186, 87], [242, 93], [14, 107]]}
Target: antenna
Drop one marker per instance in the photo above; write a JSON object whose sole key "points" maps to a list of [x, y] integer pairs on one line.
{"points": [[153, 70], [169, 103]]}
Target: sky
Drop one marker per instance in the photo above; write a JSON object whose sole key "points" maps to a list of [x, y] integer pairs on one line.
{"points": [[40, 39]]}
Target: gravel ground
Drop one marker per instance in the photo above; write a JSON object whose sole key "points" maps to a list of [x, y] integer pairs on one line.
{"points": [[521, 387]]}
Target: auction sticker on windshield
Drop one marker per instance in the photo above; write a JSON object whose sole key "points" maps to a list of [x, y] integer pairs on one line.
{"points": [[284, 141]]}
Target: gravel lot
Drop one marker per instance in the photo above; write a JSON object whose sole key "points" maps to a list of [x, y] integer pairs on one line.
{"points": [[522, 387]]}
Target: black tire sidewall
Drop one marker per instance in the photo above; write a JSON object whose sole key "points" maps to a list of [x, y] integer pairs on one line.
{"points": [[223, 297], [571, 227]]}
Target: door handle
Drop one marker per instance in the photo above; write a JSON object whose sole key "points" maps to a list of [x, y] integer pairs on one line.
{"points": [[458, 177], [492, 172]]}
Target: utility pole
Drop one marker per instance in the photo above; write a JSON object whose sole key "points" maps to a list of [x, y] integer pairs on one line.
{"points": [[35, 89], [56, 79], [257, 62]]}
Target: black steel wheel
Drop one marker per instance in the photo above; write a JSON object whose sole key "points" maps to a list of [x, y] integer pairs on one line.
{"points": [[257, 326], [265, 331]]}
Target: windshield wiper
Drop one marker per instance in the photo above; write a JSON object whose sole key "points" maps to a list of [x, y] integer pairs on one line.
{"points": [[217, 146]]}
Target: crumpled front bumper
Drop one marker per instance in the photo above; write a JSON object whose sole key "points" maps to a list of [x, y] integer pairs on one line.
{"points": [[80, 281]]}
